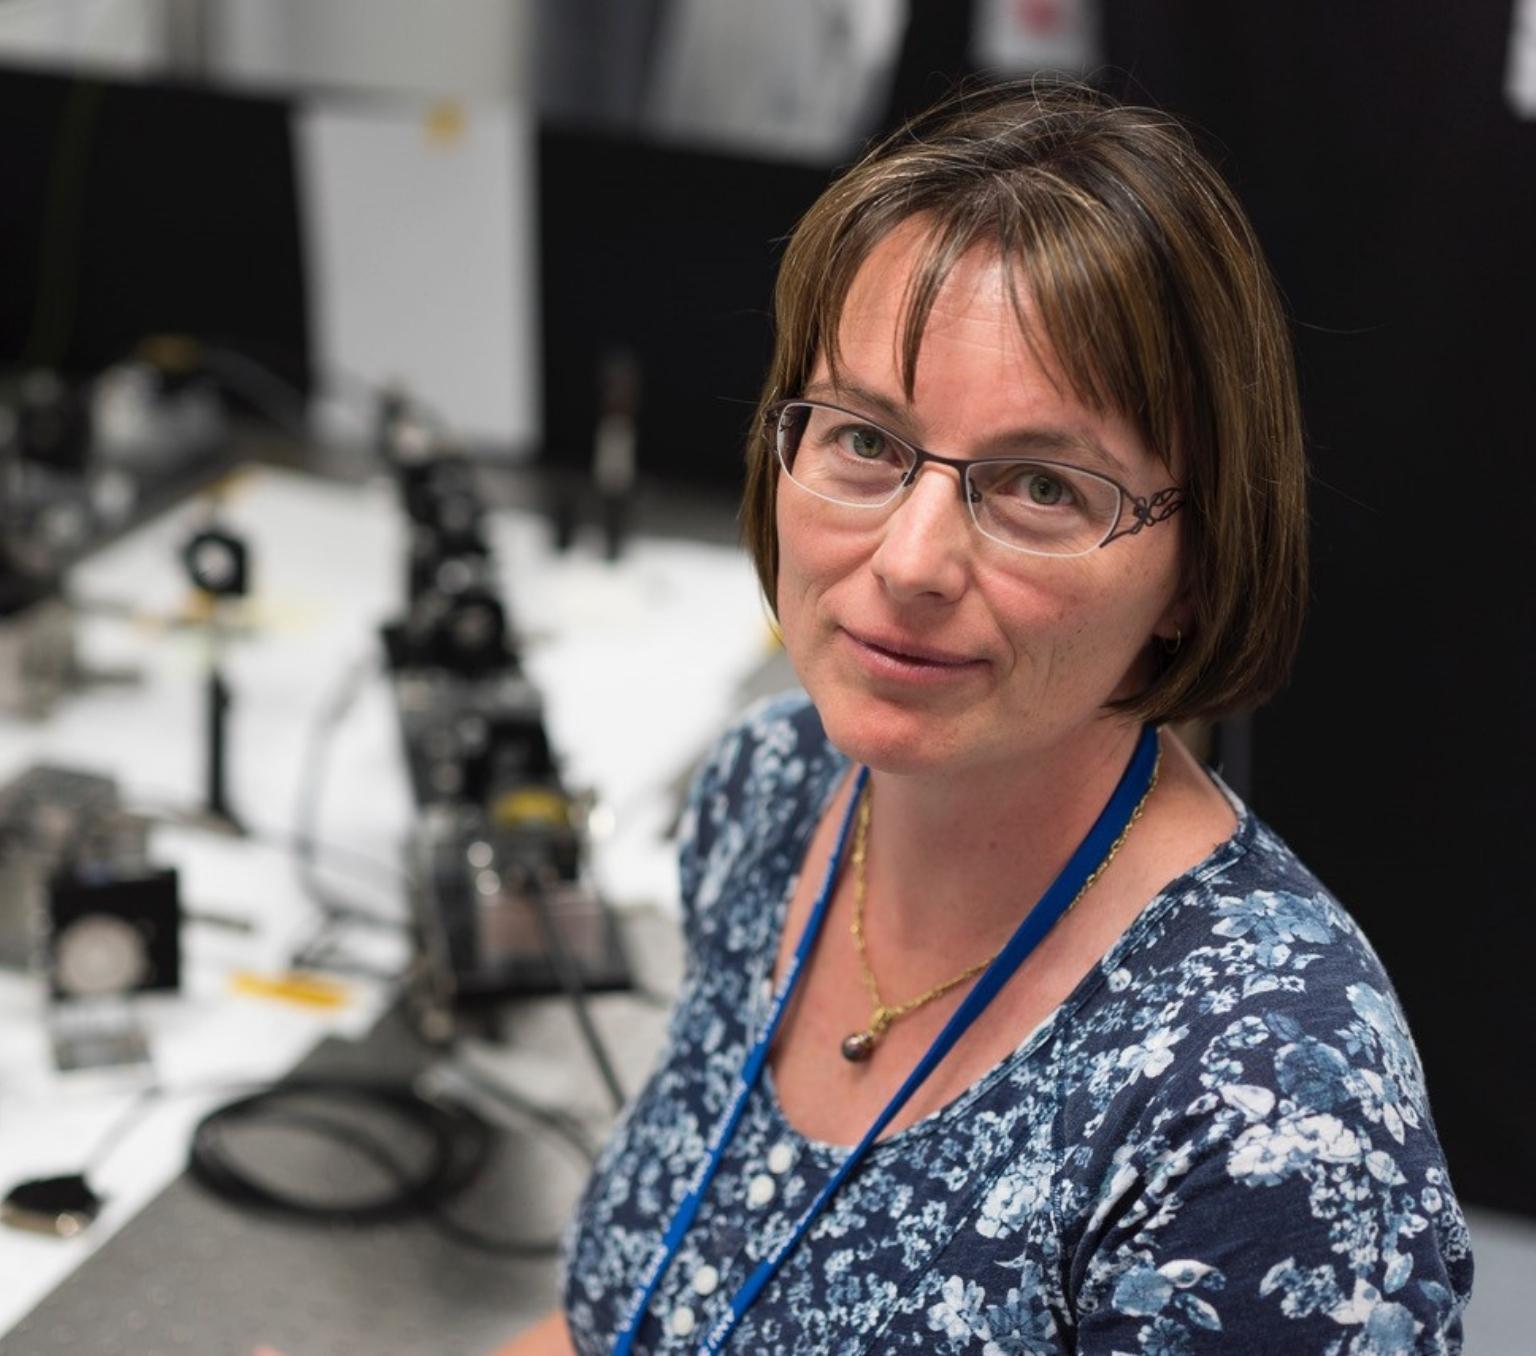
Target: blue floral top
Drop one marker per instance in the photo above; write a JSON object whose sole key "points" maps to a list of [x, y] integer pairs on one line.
{"points": [[1219, 1142]]}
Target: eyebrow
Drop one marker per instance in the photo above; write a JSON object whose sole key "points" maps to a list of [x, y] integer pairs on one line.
{"points": [[1071, 443]]}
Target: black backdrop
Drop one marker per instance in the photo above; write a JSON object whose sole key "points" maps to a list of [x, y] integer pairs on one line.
{"points": [[1396, 194], [668, 255], [133, 208]]}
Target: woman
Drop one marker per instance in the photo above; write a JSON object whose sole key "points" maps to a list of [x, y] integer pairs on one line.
{"points": [[1007, 1028]]}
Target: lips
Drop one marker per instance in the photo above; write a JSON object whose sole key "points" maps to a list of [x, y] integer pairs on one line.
{"points": [[912, 651]]}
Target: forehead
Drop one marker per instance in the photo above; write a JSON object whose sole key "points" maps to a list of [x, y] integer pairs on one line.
{"points": [[917, 303], [956, 348]]}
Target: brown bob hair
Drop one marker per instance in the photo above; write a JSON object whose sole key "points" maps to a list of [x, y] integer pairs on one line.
{"points": [[1155, 301]]}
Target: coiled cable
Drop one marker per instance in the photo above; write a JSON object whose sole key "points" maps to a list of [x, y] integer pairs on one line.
{"points": [[459, 1145]]}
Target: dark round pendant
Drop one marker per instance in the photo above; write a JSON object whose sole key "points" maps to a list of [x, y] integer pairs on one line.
{"points": [[858, 1047]]}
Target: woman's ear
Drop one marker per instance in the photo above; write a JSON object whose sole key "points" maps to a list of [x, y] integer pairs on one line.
{"points": [[1176, 623]]}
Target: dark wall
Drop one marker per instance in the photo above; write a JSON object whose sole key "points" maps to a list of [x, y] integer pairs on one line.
{"points": [[668, 255], [1396, 194], [128, 209]]}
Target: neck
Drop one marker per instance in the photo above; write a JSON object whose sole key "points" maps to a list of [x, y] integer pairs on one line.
{"points": [[982, 845]]}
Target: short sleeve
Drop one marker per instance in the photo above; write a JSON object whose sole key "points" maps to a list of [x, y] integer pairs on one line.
{"points": [[1281, 1192]]}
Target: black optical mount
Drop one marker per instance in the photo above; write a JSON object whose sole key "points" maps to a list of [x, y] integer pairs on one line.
{"points": [[217, 562]]}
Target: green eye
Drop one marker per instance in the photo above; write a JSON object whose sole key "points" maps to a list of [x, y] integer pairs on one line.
{"points": [[1046, 490], [866, 442]]}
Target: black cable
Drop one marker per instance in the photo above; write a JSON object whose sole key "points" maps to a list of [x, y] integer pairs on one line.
{"points": [[560, 1123], [307, 805], [569, 975], [302, 957], [305, 842], [460, 1145], [261, 386], [118, 1130], [379, 869], [463, 1141], [218, 1168], [275, 397], [323, 952]]}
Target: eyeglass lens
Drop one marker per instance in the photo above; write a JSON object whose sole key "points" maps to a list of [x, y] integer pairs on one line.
{"points": [[1037, 506]]}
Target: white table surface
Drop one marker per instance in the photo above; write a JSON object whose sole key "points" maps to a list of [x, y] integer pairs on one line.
{"points": [[639, 663]]}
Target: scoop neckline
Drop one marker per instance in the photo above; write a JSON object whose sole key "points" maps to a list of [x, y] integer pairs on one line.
{"points": [[1221, 857]]}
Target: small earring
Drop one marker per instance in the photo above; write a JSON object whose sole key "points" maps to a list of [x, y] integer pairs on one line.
{"points": [[1172, 647]]}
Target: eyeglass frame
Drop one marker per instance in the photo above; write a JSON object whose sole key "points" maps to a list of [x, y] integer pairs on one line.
{"points": [[1146, 510]]}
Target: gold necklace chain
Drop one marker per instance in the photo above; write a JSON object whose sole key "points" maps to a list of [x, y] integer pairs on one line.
{"points": [[860, 1045]]}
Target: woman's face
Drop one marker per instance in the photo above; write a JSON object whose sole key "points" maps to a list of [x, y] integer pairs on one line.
{"points": [[925, 646]]}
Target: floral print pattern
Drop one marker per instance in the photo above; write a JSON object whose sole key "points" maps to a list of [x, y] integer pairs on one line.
{"points": [[1219, 1142]]}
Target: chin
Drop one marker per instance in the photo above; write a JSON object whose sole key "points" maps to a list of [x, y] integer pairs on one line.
{"points": [[888, 738]]}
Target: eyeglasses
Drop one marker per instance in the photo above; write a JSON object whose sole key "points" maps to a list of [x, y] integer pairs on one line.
{"points": [[1045, 508]]}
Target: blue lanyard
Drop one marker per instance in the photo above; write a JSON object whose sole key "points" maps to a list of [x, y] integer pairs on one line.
{"points": [[1111, 823]]}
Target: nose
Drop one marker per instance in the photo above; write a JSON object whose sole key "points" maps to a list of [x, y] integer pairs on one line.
{"points": [[925, 542]]}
